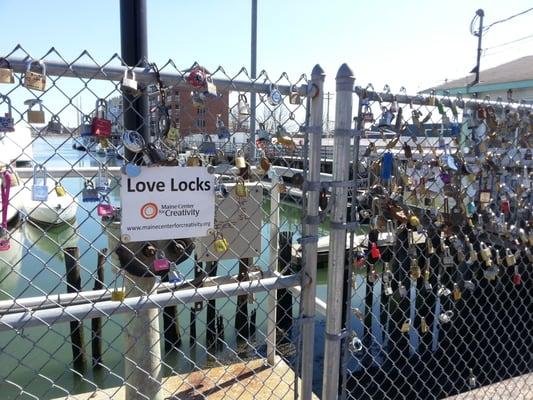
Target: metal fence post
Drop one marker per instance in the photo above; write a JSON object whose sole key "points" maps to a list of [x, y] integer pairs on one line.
{"points": [[310, 232], [272, 266], [337, 243]]}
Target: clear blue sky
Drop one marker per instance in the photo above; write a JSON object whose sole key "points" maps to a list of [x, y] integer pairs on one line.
{"points": [[411, 43]]}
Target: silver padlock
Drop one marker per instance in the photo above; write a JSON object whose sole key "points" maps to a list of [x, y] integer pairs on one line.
{"points": [[447, 258], [7, 124], [129, 85], [240, 161], [274, 96], [54, 125]]}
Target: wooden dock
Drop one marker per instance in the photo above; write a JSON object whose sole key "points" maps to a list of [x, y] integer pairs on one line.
{"points": [[519, 388], [248, 380]]}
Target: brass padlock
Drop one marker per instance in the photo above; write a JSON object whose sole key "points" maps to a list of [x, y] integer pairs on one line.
{"points": [[220, 244], [6, 72], [424, 327], [510, 258], [60, 190], [485, 252], [456, 292], [264, 163], [194, 160], [118, 294], [406, 326], [415, 269], [240, 161], [35, 116], [240, 188], [33, 79]]}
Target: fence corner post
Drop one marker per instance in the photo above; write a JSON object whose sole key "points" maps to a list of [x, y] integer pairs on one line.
{"points": [[337, 239], [310, 229]]}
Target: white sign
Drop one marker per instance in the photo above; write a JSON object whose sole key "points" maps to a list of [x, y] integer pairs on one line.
{"points": [[167, 203], [239, 220]]}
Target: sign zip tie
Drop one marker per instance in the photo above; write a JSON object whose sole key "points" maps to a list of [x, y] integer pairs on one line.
{"points": [[349, 226], [339, 336]]}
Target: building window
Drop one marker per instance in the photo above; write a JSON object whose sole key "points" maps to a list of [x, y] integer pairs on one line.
{"points": [[200, 123]]}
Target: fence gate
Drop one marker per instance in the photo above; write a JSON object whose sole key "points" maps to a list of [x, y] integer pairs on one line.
{"points": [[437, 287], [97, 298]]}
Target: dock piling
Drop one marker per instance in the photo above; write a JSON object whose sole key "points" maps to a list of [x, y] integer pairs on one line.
{"points": [[96, 323]]}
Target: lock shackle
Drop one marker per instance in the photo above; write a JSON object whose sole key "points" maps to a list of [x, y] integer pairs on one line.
{"points": [[39, 63], [242, 97], [7, 100], [132, 73], [86, 119], [101, 108], [39, 171], [55, 118], [159, 254], [4, 63], [88, 184], [105, 199]]}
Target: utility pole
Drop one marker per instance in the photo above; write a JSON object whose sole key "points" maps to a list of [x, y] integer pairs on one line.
{"points": [[480, 13]]}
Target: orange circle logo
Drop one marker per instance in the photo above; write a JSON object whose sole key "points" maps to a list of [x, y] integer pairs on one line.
{"points": [[149, 211]]}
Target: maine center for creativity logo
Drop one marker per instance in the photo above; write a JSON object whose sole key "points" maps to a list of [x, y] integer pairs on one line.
{"points": [[149, 211]]}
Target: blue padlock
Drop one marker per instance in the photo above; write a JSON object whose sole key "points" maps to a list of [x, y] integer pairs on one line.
{"points": [[89, 193], [39, 190]]}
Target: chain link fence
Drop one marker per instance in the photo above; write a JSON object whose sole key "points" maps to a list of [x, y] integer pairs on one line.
{"points": [[208, 316], [437, 289]]}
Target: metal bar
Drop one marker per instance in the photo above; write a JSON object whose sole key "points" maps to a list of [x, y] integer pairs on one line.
{"points": [[311, 231], [320, 305], [144, 76], [272, 266], [337, 244], [253, 71], [104, 309], [423, 99]]}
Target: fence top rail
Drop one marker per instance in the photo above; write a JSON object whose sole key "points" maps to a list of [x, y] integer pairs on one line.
{"points": [[447, 101], [146, 75]]}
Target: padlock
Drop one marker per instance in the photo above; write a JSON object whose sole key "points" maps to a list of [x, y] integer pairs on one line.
{"points": [[406, 326], [86, 126], [323, 199], [359, 259], [264, 162], [161, 263], [197, 77], [414, 269], [129, 85], [35, 116], [529, 254], [89, 193], [6, 72], [431, 100], [7, 124], [427, 284], [174, 276], [35, 75], [456, 292], [240, 161], [505, 206], [402, 290], [240, 188], [102, 179], [357, 313], [54, 125], [173, 134], [407, 151], [472, 382], [447, 258], [104, 208], [210, 87], [60, 190], [517, 278], [368, 116], [131, 169], [486, 254], [491, 272], [155, 154], [101, 126], [39, 190], [194, 160], [373, 276], [274, 96], [294, 97], [220, 244], [118, 294], [510, 258], [374, 251], [390, 237], [356, 345], [386, 118], [446, 316], [222, 133], [387, 289], [242, 106], [424, 328]]}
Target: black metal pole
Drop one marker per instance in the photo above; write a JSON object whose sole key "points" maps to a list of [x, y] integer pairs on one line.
{"points": [[134, 45], [479, 49]]}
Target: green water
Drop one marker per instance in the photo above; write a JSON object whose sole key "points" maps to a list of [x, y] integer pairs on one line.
{"points": [[37, 361]]}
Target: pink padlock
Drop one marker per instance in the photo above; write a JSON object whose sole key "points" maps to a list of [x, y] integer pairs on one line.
{"points": [[161, 263], [104, 209]]}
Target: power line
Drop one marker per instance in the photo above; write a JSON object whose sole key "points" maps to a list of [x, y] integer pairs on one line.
{"points": [[485, 29], [508, 43]]}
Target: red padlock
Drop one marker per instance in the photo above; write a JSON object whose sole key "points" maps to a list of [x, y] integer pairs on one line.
{"points": [[374, 251], [101, 126], [197, 77], [505, 207], [517, 278]]}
